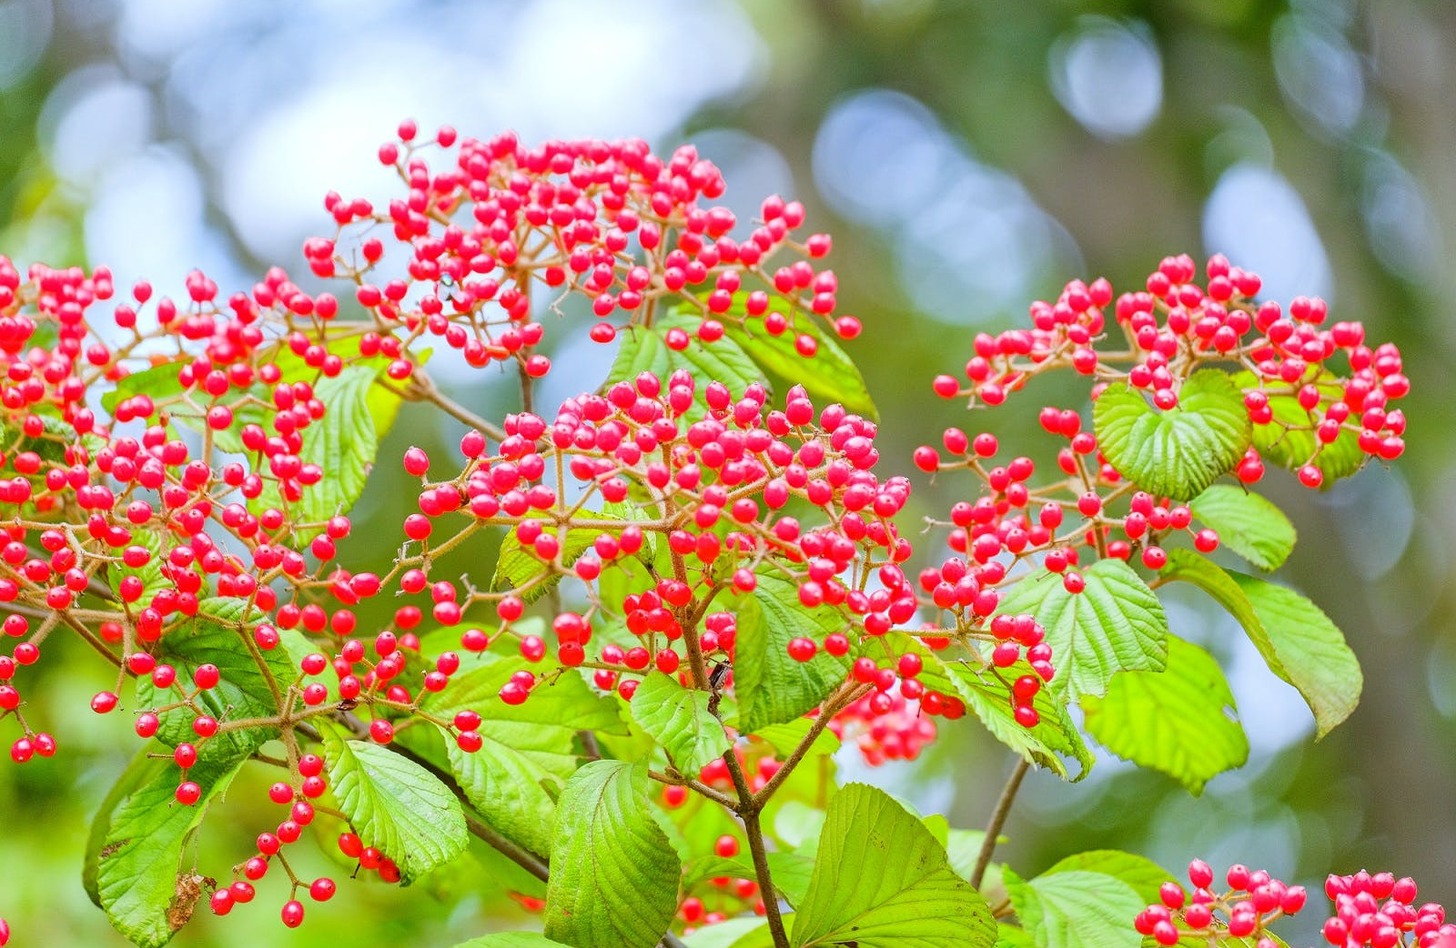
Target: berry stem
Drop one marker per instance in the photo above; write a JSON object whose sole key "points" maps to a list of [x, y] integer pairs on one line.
{"points": [[837, 702], [998, 820]]}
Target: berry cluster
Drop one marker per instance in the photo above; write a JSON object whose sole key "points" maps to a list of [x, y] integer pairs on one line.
{"points": [[1176, 325], [887, 726], [1371, 911], [1088, 508], [607, 221], [1253, 900], [688, 509], [1379, 911]]}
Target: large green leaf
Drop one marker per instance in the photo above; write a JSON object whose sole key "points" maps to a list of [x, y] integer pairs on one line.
{"points": [[143, 769], [512, 789], [1076, 909], [829, 375], [678, 718], [1290, 441], [1247, 523], [1181, 721], [786, 737], [1297, 640], [881, 880], [1144, 875], [528, 751], [771, 686], [1175, 453], [1054, 736], [1115, 624], [221, 635], [645, 349], [1310, 648], [140, 877], [1009, 936], [395, 804], [614, 875]]}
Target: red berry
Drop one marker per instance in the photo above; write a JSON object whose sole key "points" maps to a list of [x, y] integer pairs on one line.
{"points": [[292, 913]]}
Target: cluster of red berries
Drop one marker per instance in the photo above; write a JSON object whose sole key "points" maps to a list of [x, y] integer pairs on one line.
{"points": [[887, 726], [1371, 911], [609, 221], [713, 490], [1252, 901], [1379, 911], [1178, 324]]}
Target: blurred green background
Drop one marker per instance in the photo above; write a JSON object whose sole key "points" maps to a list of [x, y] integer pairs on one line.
{"points": [[968, 157]]}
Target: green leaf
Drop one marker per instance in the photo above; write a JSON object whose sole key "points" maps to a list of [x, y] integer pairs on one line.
{"points": [[509, 940], [785, 737], [160, 382], [1054, 736], [1246, 523], [140, 880], [395, 805], [1297, 640], [772, 687], [678, 718], [613, 874], [963, 847], [644, 349], [1181, 721], [882, 881], [142, 770], [798, 825], [513, 791], [1175, 453], [1144, 875], [1009, 936], [1115, 624], [1310, 648], [829, 375], [1290, 441], [221, 635], [1076, 909], [1200, 571]]}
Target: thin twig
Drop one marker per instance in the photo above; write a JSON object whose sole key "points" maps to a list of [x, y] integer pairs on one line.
{"points": [[832, 706], [998, 820]]}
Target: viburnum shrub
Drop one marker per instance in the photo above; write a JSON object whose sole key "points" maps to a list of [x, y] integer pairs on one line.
{"points": [[702, 581]]}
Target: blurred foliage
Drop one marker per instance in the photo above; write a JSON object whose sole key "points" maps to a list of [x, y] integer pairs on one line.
{"points": [[1379, 792]]}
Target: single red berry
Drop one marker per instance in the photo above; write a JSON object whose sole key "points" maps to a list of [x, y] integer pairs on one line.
{"points": [[802, 649], [292, 913]]}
